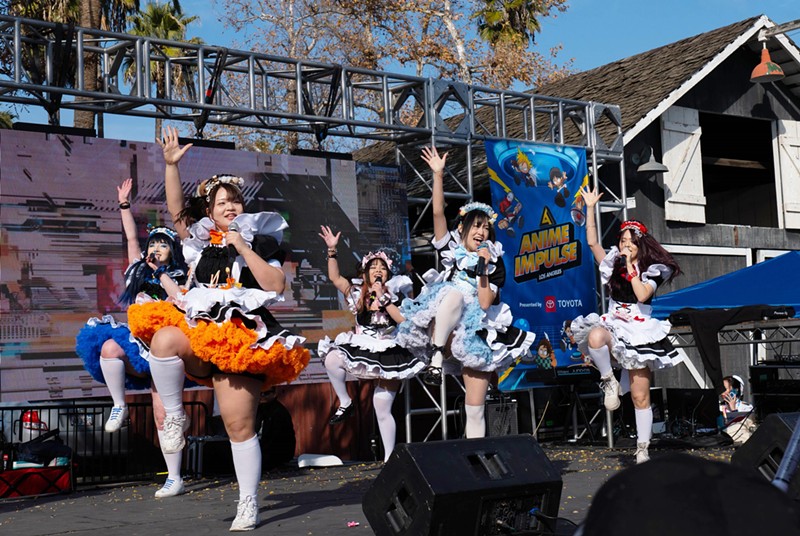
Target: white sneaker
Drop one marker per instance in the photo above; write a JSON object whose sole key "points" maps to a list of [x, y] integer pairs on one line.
{"points": [[117, 418], [641, 452], [172, 439], [246, 515], [171, 488], [610, 387]]}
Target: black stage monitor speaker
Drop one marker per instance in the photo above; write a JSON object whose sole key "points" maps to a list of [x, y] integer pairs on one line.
{"points": [[481, 487], [765, 448]]}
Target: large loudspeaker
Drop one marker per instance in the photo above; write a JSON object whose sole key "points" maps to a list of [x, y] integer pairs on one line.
{"points": [[480, 487], [765, 448]]}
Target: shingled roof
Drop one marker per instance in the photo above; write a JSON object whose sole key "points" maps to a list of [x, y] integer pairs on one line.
{"points": [[637, 84]]}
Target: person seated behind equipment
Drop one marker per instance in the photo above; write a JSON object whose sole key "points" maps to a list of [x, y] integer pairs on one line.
{"points": [[731, 401]]}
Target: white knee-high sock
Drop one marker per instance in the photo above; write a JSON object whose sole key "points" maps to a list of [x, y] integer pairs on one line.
{"points": [[114, 375], [476, 421], [247, 464], [382, 399], [602, 360], [334, 366], [168, 374], [173, 460], [447, 316], [644, 424]]}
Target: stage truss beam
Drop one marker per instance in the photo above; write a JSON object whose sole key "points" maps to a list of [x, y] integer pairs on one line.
{"points": [[214, 85], [44, 67]]}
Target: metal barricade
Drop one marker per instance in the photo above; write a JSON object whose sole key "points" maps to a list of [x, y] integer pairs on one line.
{"points": [[132, 453]]}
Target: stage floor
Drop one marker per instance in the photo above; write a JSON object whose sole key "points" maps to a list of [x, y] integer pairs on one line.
{"points": [[293, 502]]}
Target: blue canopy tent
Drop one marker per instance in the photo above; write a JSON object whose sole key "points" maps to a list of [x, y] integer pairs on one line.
{"points": [[741, 296], [767, 283]]}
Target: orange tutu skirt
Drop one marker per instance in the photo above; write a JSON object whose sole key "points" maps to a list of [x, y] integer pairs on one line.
{"points": [[230, 346]]}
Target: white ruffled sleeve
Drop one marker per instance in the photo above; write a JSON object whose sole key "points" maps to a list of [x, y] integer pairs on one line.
{"points": [[607, 265], [199, 236], [261, 223], [449, 241], [399, 284], [495, 251], [654, 271], [250, 225]]}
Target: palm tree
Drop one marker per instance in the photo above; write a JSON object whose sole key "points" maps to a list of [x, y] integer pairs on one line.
{"points": [[511, 21], [162, 21], [7, 120], [109, 15]]}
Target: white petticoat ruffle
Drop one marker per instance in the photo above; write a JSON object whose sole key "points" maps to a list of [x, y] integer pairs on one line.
{"points": [[364, 342], [367, 357], [202, 299], [632, 342], [144, 351], [414, 334]]}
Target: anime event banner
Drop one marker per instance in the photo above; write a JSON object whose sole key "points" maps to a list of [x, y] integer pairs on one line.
{"points": [[549, 267]]}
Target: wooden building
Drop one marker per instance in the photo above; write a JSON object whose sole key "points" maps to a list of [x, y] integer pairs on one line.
{"points": [[731, 196]]}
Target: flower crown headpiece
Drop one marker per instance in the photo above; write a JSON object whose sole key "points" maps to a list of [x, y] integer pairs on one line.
{"points": [[372, 255], [632, 225], [483, 207], [204, 188], [151, 231]]}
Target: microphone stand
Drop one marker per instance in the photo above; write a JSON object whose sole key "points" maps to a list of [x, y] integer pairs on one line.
{"points": [[791, 457]]}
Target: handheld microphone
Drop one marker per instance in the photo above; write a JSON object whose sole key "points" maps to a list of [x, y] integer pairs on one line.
{"points": [[151, 258], [232, 253], [481, 266], [374, 295]]}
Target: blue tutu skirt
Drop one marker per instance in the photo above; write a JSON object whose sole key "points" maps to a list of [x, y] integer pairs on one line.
{"points": [[482, 340], [95, 333]]}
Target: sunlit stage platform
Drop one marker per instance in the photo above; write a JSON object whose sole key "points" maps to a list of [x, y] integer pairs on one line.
{"points": [[293, 501]]}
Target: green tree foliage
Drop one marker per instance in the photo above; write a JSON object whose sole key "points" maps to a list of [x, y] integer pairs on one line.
{"points": [[439, 38], [163, 21]]}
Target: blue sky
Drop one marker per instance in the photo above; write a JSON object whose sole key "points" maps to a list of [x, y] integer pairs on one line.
{"points": [[592, 33]]}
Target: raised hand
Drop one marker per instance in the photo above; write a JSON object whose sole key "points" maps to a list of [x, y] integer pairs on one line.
{"points": [[331, 240], [431, 156], [124, 191], [170, 147], [591, 197]]}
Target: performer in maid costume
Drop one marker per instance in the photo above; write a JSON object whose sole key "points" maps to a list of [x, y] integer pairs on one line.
{"points": [[108, 350], [459, 311], [627, 335], [220, 332], [369, 351]]}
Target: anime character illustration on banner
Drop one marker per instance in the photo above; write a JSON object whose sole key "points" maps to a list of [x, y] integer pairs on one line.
{"points": [[535, 190]]}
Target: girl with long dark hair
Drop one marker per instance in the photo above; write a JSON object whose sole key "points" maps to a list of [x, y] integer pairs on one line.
{"points": [[627, 336]]}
